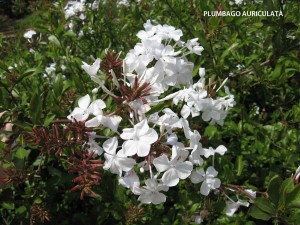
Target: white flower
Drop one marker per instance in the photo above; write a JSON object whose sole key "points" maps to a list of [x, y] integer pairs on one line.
{"points": [[112, 122], [210, 151], [86, 108], [116, 162], [50, 68], [176, 168], [82, 112], [92, 70], [139, 139], [94, 147], [196, 147], [252, 194], [151, 192], [130, 180], [29, 34], [232, 207], [209, 182]]}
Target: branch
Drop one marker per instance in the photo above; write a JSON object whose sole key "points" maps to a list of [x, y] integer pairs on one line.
{"points": [[265, 63]]}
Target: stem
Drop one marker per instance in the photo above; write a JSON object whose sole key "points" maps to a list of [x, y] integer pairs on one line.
{"points": [[265, 63]]}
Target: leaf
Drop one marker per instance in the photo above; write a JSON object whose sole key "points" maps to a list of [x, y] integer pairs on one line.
{"points": [[287, 186], [293, 197], [227, 51], [35, 108], [273, 189], [21, 210], [8, 205], [257, 213], [48, 120], [22, 153], [240, 165], [265, 205], [52, 39], [58, 86]]}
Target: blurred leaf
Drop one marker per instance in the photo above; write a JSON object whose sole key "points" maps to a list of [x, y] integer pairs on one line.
{"points": [[273, 189], [22, 153], [53, 39], [257, 213], [35, 108]]}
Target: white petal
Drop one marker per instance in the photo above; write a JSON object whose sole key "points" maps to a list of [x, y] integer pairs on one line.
{"points": [[142, 127], [84, 102], [185, 111], [196, 177], [110, 145], [184, 169], [93, 69], [111, 122], [170, 177], [130, 147], [128, 133], [126, 164], [161, 163], [143, 148], [205, 188], [158, 198], [150, 137], [211, 172], [95, 122], [221, 149]]}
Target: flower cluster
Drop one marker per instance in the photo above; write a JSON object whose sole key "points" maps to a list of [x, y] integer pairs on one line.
{"points": [[154, 151]]}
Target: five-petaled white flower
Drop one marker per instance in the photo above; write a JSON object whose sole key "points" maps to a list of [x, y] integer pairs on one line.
{"points": [[86, 108], [175, 168], [139, 139], [209, 182], [151, 192], [116, 162], [210, 151]]}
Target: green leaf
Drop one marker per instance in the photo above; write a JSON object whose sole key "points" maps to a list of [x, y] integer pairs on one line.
{"points": [[287, 186], [58, 86], [273, 189], [21, 210], [227, 51], [48, 120], [293, 197], [210, 131], [35, 108], [8, 205], [265, 205], [22, 153], [52, 39], [257, 213], [240, 165]]}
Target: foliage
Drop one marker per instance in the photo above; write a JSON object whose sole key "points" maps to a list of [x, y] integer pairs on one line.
{"points": [[260, 57]]}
